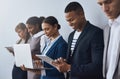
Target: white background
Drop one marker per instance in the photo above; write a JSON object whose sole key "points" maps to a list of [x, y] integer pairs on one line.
{"points": [[14, 11]]}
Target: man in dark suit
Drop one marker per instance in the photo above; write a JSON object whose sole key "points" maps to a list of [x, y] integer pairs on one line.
{"points": [[85, 46]]}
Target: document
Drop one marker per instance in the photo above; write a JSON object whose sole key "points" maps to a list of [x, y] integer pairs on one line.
{"points": [[46, 59]]}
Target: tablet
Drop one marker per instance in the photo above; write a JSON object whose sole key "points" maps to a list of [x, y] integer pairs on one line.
{"points": [[46, 59]]}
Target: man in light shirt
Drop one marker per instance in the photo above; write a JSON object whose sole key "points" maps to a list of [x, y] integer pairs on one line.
{"points": [[111, 60]]}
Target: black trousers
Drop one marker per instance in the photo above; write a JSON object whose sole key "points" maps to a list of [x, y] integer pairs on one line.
{"points": [[18, 73]]}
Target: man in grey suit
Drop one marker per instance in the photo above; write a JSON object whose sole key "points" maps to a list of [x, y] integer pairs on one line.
{"points": [[111, 60]]}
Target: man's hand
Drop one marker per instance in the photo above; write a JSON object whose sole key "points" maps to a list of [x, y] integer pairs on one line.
{"points": [[61, 65]]}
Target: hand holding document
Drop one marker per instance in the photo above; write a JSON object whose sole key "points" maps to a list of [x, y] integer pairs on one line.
{"points": [[23, 56], [61, 65], [46, 59]]}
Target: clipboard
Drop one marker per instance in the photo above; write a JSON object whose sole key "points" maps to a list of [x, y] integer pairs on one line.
{"points": [[46, 59]]}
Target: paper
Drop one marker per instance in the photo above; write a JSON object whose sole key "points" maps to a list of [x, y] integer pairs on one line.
{"points": [[23, 55], [46, 59]]}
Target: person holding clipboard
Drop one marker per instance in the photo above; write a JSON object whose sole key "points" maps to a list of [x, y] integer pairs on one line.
{"points": [[56, 47]]}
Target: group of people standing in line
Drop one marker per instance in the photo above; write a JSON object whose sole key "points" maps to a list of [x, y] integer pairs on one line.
{"points": [[91, 53]]}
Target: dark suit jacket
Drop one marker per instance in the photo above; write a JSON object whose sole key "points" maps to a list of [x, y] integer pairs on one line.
{"points": [[86, 61], [58, 49]]}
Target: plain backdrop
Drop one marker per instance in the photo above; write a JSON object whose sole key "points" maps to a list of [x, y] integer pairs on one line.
{"points": [[14, 11]]}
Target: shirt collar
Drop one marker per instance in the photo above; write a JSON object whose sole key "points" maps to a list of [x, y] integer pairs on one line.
{"points": [[117, 20]]}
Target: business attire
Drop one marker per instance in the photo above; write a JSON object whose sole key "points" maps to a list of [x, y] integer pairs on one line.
{"points": [[87, 56], [54, 50], [111, 60], [17, 72]]}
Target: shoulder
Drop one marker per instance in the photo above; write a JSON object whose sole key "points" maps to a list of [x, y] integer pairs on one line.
{"points": [[61, 41], [61, 44], [18, 41], [44, 37], [93, 28], [39, 34]]}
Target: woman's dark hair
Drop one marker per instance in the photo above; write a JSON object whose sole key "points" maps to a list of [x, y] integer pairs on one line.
{"points": [[52, 21], [35, 20], [73, 6]]}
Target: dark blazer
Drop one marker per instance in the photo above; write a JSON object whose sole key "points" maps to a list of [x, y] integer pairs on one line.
{"points": [[58, 49], [86, 61]]}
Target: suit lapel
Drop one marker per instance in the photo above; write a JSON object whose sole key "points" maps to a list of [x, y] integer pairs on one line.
{"points": [[117, 66], [83, 33], [106, 42], [53, 46]]}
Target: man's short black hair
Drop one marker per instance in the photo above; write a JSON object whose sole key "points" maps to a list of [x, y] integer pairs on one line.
{"points": [[73, 6]]}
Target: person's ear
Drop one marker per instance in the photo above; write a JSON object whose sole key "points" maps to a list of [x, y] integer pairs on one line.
{"points": [[56, 26]]}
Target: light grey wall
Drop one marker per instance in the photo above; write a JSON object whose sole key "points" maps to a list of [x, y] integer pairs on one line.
{"points": [[14, 11]]}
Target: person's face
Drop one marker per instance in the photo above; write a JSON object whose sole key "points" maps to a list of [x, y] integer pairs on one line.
{"points": [[49, 30], [110, 7], [74, 19], [32, 29], [22, 33]]}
